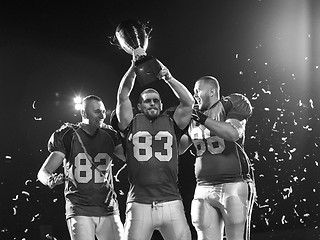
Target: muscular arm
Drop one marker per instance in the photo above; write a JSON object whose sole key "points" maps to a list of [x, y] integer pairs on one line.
{"points": [[234, 127], [183, 112], [230, 130], [124, 106], [46, 172]]}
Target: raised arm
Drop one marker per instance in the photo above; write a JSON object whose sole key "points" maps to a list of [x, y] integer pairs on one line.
{"points": [[183, 112], [124, 105]]}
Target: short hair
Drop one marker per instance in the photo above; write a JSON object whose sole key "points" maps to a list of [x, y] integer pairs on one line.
{"points": [[88, 98], [148, 90], [211, 81]]}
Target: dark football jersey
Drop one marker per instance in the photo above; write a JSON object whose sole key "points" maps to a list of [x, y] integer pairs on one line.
{"points": [[85, 190], [218, 160], [152, 159]]}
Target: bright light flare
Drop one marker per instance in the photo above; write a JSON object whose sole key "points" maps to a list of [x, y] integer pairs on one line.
{"points": [[78, 103]]}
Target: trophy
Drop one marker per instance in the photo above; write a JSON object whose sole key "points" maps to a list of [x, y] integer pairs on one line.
{"points": [[133, 37]]}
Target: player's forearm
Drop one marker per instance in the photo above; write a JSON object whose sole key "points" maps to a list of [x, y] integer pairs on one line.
{"points": [[50, 179], [124, 106], [223, 130], [126, 84], [43, 176], [182, 93], [46, 173]]}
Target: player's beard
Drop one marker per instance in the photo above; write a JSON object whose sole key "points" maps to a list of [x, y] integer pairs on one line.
{"points": [[152, 113], [202, 103]]}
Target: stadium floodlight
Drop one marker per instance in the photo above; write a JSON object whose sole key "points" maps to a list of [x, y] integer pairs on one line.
{"points": [[78, 103]]}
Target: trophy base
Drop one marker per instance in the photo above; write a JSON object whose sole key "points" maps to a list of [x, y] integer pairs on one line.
{"points": [[147, 69]]}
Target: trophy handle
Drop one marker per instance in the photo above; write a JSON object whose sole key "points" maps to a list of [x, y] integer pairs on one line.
{"points": [[147, 28], [114, 41]]}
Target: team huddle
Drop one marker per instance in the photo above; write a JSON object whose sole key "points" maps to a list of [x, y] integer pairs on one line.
{"points": [[149, 141]]}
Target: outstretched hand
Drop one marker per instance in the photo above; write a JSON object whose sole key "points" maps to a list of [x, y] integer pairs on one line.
{"points": [[164, 73]]}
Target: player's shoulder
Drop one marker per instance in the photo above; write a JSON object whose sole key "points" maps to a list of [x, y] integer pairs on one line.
{"points": [[239, 97], [108, 128], [63, 133], [235, 98], [66, 128], [240, 104]]}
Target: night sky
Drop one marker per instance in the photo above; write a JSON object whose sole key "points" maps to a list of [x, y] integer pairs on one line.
{"points": [[268, 50]]}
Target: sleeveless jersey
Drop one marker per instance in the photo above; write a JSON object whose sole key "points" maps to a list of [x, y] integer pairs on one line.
{"points": [[152, 159], [85, 191], [218, 160]]}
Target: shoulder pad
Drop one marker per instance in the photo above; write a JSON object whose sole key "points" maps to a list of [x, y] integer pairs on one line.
{"points": [[241, 106]]}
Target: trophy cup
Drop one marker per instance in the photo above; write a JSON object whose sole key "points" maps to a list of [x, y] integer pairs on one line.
{"points": [[133, 37]]}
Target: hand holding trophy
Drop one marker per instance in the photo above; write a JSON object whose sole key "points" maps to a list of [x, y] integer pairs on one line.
{"points": [[133, 38]]}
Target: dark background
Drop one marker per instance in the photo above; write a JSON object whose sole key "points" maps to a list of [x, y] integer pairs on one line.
{"points": [[51, 51]]}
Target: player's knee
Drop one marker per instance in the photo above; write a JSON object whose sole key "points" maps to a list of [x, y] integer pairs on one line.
{"points": [[185, 235], [199, 223], [198, 214]]}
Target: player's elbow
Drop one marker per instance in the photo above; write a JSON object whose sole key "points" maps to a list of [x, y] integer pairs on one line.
{"points": [[234, 134], [234, 137], [39, 176], [190, 101], [42, 176], [187, 102], [235, 129]]}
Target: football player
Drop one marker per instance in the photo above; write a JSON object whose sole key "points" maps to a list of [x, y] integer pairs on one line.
{"points": [[86, 151], [151, 140], [225, 191]]}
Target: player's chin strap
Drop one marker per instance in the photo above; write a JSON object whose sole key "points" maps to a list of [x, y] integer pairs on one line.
{"points": [[108, 177]]}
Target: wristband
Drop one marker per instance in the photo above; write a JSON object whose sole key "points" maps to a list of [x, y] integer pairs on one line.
{"points": [[199, 117]]}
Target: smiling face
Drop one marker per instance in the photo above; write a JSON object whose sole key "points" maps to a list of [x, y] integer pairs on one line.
{"points": [[150, 104], [94, 113], [205, 93]]}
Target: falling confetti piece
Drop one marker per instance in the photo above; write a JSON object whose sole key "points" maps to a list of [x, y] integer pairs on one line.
{"points": [[283, 220], [14, 211], [25, 193], [35, 217], [27, 182]]}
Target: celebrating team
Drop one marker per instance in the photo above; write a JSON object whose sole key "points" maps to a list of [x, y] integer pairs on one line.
{"points": [[150, 142]]}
